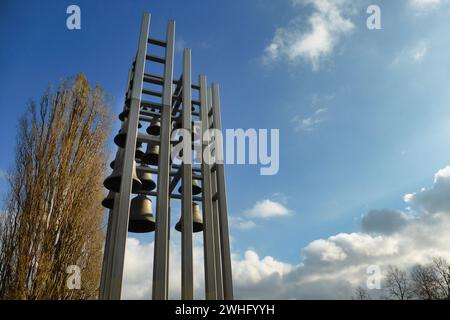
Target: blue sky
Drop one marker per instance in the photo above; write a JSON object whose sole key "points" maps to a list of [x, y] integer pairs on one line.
{"points": [[363, 114]]}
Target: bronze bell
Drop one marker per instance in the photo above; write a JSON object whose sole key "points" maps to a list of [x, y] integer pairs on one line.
{"points": [[124, 114], [146, 178], [139, 153], [196, 189], [112, 182], [121, 138], [197, 221], [108, 202], [154, 128], [111, 165], [141, 215], [152, 154]]}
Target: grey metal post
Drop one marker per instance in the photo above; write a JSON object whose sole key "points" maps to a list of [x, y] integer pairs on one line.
{"points": [[187, 267], [162, 232], [208, 235], [106, 264], [222, 201], [215, 218], [119, 241], [112, 222]]}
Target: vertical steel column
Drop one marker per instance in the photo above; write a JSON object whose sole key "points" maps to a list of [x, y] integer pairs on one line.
{"points": [[208, 235], [222, 201], [119, 241], [187, 267], [112, 219], [107, 263], [215, 216], [162, 232]]}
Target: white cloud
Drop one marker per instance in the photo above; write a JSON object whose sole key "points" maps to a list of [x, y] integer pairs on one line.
{"points": [[425, 4], [240, 223], [327, 25], [138, 269], [267, 209], [413, 54], [311, 122], [435, 199], [419, 52], [331, 267]]}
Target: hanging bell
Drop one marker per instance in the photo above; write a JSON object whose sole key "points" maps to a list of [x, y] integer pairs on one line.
{"points": [[112, 182], [141, 215], [197, 222], [124, 114], [111, 165], [121, 138], [154, 128], [152, 154], [146, 178], [108, 202], [139, 153], [196, 189]]}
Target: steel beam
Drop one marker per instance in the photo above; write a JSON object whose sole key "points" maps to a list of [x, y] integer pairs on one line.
{"points": [[208, 235], [119, 241], [222, 204], [187, 264], [162, 232]]}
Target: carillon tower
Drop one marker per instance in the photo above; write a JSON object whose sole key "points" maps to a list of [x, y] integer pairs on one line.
{"points": [[144, 173]]}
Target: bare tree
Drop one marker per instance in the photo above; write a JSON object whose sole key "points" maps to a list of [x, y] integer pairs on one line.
{"points": [[397, 284], [442, 269], [53, 216], [425, 282], [361, 293]]}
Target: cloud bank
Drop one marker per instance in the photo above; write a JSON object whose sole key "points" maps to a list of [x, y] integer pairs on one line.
{"points": [[330, 268]]}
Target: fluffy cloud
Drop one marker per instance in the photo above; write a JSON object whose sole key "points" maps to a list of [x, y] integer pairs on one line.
{"points": [[330, 267], [435, 199], [267, 209], [328, 23]]}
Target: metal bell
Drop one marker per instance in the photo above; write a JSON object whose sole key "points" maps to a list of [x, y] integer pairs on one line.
{"points": [[197, 221], [112, 182], [196, 189], [152, 155], [108, 202], [121, 138], [141, 215], [154, 128], [111, 165], [123, 116], [146, 178], [139, 151]]}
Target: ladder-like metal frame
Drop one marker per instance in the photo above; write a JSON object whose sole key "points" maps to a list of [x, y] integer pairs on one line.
{"points": [[175, 107]]}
